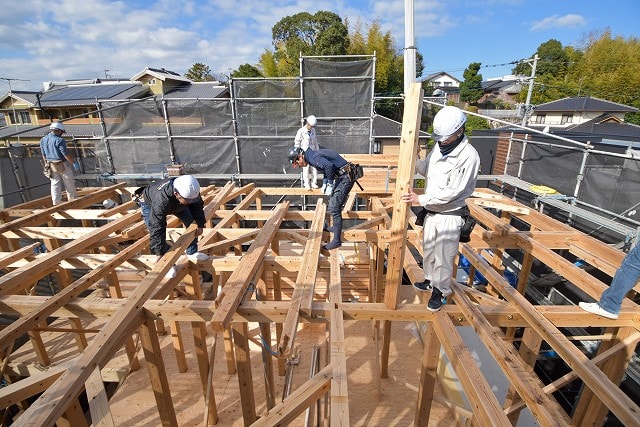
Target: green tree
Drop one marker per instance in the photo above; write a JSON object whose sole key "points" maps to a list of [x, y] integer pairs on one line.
{"points": [[199, 72], [471, 87], [320, 34], [246, 70]]}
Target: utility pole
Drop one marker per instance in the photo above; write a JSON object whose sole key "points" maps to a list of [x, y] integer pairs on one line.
{"points": [[409, 47], [527, 105]]}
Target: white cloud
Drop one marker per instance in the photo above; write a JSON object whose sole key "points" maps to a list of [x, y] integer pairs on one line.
{"points": [[555, 21]]}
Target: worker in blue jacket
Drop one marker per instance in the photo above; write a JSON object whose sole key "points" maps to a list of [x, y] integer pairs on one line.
{"points": [[336, 170]]}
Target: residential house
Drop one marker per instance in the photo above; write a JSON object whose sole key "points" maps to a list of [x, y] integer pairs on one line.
{"points": [[567, 113], [444, 84], [500, 93]]}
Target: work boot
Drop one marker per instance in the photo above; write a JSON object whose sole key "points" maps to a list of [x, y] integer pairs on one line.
{"points": [[424, 286], [436, 300], [335, 243]]}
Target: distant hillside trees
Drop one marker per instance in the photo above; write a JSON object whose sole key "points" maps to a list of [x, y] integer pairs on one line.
{"points": [[605, 67]]}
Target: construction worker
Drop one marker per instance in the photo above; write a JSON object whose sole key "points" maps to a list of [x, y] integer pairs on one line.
{"points": [[306, 139], [451, 170], [174, 196], [55, 156], [626, 277], [336, 170]]}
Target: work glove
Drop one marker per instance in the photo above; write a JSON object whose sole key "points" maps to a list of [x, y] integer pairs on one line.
{"points": [[76, 166], [328, 189]]}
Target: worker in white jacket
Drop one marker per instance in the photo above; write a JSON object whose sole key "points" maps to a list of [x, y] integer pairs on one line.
{"points": [[451, 170], [306, 139]]}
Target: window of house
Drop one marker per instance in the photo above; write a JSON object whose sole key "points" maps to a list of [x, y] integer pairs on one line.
{"points": [[447, 84], [152, 82], [540, 118], [566, 118], [20, 117]]}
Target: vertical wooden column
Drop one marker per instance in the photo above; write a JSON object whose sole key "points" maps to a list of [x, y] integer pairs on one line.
{"points": [[245, 380], [130, 346], [428, 376], [267, 359], [157, 372], [404, 182]]}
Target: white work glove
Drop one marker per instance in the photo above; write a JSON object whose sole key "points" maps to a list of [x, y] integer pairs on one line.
{"points": [[328, 189]]}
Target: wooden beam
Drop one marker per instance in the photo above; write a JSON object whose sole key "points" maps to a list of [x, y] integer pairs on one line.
{"points": [[404, 182], [298, 401], [302, 297], [98, 401], [339, 384], [237, 284], [53, 402], [486, 408]]}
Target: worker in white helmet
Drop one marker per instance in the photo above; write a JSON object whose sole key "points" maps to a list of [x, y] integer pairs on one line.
{"points": [[451, 169], [306, 139], [174, 196], [59, 163]]}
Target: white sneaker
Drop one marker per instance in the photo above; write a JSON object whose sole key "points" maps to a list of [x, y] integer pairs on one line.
{"points": [[322, 188], [314, 185], [198, 256], [594, 307], [172, 273], [306, 186]]}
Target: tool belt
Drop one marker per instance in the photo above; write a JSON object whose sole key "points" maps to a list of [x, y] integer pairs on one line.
{"points": [[353, 170], [467, 226]]}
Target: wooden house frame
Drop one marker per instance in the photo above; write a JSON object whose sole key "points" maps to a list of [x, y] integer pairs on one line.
{"points": [[250, 267]]}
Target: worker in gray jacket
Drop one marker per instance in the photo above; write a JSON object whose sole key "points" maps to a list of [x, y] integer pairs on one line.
{"points": [[174, 196], [451, 169]]}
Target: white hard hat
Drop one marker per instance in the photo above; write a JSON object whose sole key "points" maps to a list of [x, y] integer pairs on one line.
{"points": [[108, 204], [187, 186], [447, 122], [57, 125], [311, 120]]}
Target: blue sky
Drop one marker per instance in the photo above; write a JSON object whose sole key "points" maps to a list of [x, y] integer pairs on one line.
{"points": [[73, 39]]}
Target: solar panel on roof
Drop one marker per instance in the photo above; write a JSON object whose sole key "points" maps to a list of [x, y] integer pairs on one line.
{"points": [[85, 92]]}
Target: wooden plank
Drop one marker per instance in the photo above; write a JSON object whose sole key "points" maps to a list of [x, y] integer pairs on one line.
{"points": [[16, 280], [615, 399], [157, 372], [53, 402], [299, 400], [339, 385], [245, 379], [485, 405], [53, 303], [235, 287], [302, 297], [98, 401], [428, 376], [404, 182]]}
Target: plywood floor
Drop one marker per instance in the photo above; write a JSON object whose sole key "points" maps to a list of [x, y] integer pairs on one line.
{"points": [[373, 401]]}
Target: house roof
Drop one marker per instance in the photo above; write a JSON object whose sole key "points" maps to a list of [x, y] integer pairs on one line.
{"points": [[508, 86], [89, 94], [433, 76], [584, 103], [28, 97], [198, 90], [161, 74], [609, 126]]}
